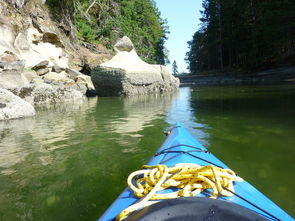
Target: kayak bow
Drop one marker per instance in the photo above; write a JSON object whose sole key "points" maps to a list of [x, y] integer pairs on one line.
{"points": [[181, 147]]}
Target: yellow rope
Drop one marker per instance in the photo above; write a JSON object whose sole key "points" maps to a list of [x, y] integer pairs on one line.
{"points": [[189, 180]]}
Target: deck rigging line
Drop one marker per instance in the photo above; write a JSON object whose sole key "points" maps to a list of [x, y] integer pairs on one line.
{"points": [[183, 145], [257, 207], [189, 152]]}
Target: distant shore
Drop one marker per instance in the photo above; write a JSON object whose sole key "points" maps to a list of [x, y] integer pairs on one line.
{"points": [[284, 75]]}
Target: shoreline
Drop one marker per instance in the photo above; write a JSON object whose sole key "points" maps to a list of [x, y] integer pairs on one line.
{"points": [[284, 75]]}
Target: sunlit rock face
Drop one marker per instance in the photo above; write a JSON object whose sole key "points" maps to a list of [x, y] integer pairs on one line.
{"points": [[32, 44], [127, 74], [36, 57], [12, 106]]}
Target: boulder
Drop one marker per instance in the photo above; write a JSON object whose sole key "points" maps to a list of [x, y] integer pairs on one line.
{"points": [[41, 65], [12, 79], [12, 106], [46, 93], [124, 44], [81, 83], [15, 65], [24, 93], [37, 81], [42, 72], [8, 56], [71, 85], [81, 86], [87, 80], [167, 76], [30, 75], [57, 68], [73, 74], [52, 76], [127, 74], [41, 92]]}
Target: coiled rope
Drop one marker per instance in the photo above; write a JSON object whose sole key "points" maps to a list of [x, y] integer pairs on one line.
{"points": [[187, 179]]}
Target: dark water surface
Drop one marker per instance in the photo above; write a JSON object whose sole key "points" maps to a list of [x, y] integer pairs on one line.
{"points": [[71, 161]]}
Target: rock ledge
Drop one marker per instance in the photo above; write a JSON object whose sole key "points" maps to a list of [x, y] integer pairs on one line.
{"points": [[127, 74]]}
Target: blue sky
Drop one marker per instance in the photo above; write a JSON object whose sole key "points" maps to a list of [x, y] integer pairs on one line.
{"points": [[183, 21]]}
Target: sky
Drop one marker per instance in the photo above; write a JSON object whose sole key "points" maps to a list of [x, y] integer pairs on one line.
{"points": [[183, 21]]}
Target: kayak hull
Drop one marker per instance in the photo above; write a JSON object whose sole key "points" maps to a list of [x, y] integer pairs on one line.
{"points": [[181, 147]]}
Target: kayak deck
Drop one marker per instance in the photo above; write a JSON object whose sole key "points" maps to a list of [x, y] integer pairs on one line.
{"points": [[181, 147]]}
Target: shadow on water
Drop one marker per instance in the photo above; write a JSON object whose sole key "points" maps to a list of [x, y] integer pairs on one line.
{"points": [[252, 130]]}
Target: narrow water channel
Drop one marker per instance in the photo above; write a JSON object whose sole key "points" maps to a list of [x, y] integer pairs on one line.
{"points": [[71, 160]]}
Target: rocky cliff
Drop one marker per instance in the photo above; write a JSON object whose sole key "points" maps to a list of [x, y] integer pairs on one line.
{"points": [[38, 61], [42, 61]]}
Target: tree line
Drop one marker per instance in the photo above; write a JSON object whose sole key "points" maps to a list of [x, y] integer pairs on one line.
{"points": [[105, 21], [243, 35]]}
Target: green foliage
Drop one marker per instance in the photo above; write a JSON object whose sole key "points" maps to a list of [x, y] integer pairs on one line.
{"points": [[105, 21], [141, 21], [243, 34], [174, 68], [85, 31]]}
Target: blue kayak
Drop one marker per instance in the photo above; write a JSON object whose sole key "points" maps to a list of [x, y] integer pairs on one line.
{"points": [[181, 147]]}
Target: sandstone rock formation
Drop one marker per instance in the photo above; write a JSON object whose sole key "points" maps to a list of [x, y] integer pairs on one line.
{"points": [[38, 62], [127, 74], [34, 51], [56, 87], [11, 79], [12, 106]]}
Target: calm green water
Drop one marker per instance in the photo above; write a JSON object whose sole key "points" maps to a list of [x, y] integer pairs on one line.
{"points": [[71, 161]]}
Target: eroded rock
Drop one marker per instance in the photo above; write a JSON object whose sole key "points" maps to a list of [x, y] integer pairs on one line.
{"points": [[8, 56], [127, 74], [124, 44], [87, 80], [30, 75], [41, 65], [46, 93], [12, 79], [13, 106], [52, 76], [73, 74], [15, 65], [57, 69], [42, 72], [52, 38]]}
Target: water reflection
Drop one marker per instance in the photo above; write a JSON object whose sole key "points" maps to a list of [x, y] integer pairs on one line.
{"points": [[71, 160], [55, 125], [182, 111], [47, 131], [139, 111], [12, 133], [67, 162], [252, 130]]}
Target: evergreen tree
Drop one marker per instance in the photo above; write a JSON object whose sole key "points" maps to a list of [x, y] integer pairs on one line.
{"points": [[243, 34], [174, 68]]}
